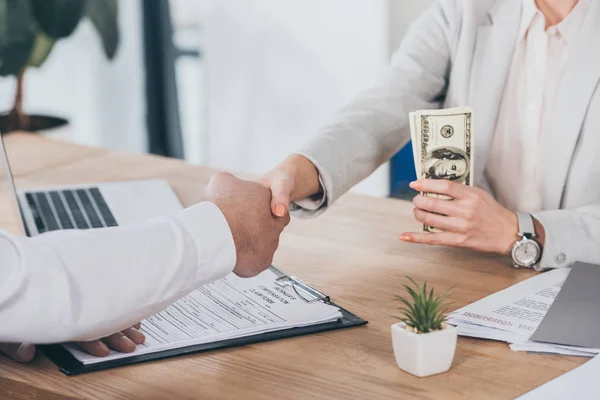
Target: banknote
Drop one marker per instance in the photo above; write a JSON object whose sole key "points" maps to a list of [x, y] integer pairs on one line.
{"points": [[443, 146]]}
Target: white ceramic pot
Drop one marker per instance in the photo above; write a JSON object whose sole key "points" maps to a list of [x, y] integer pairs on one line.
{"points": [[424, 354]]}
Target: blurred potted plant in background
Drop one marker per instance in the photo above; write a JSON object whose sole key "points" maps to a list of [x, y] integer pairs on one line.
{"points": [[29, 29], [423, 343]]}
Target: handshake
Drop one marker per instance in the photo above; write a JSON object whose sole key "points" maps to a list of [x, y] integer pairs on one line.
{"points": [[257, 213]]}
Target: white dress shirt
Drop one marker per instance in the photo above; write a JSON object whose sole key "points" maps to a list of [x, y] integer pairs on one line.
{"points": [[83, 285], [513, 169]]}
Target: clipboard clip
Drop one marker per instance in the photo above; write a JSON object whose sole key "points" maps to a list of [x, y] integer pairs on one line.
{"points": [[303, 289]]}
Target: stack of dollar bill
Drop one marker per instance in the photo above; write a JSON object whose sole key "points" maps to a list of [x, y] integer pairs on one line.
{"points": [[442, 143]]}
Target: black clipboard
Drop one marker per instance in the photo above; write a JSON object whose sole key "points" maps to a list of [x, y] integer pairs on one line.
{"points": [[70, 366]]}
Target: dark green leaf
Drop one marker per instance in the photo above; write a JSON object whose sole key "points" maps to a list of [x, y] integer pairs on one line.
{"points": [[105, 17], [17, 34], [41, 49], [58, 18], [427, 312]]}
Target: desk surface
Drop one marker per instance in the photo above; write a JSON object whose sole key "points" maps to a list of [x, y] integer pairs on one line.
{"points": [[351, 252]]}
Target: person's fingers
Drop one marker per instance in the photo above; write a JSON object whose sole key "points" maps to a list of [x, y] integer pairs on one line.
{"points": [[120, 343], [95, 348], [442, 222], [440, 238], [138, 325], [281, 189], [21, 352], [440, 206], [442, 186], [136, 336]]}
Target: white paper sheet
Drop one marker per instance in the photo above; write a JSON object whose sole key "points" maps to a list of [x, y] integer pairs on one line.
{"points": [[229, 308], [517, 309], [513, 314], [535, 347], [580, 383]]}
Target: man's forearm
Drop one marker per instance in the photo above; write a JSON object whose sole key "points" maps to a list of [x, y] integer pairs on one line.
{"points": [[81, 285]]}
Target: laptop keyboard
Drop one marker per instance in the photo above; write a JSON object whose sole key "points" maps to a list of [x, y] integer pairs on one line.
{"points": [[69, 209]]}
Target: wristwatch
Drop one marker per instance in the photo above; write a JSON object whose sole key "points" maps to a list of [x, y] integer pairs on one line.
{"points": [[526, 252]]}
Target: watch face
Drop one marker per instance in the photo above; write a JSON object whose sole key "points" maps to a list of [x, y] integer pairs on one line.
{"points": [[526, 253]]}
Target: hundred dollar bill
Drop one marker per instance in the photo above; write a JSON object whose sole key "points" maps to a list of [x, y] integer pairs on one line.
{"points": [[443, 146]]}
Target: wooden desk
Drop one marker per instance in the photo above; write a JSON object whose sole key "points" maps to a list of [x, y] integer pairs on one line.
{"points": [[351, 252]]}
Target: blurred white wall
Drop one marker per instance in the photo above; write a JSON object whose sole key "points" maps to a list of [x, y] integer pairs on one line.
{"points": [[104, 101], [278, 70]]}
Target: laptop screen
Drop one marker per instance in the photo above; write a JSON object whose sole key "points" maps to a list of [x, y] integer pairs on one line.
{"points": [[10, 217]]}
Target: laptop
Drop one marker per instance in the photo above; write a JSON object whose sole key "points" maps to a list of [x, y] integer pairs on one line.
{"points": [[88, 206]]}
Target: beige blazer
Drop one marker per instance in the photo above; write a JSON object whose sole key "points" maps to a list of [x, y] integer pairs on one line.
{"points": [[459, 53]]}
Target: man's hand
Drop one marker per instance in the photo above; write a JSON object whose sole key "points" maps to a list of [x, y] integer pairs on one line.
{"points": [[255, 230], [474, 219], [21, 352], [123, 342]]}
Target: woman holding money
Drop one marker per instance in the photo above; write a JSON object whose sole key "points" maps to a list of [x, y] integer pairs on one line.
{"points": [[525, 187]]}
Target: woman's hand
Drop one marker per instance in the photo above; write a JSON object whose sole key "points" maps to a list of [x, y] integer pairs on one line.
{"points": [[124, 342], [281, 183], [294, 179], [474, 219]]}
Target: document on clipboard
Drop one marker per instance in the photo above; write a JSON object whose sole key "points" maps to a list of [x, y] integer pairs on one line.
{"points": [[230, 311]]}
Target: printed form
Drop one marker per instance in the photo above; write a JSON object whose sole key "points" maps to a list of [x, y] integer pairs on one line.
{"points": [[512, 314], [229, 308]]}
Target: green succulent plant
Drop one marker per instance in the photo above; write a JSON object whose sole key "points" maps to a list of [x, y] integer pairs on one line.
{"points": [[425, 312], [29, 30]]}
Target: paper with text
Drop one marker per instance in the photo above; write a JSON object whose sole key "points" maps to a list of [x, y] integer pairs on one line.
{"points": [[512, 314], [232, 307]]}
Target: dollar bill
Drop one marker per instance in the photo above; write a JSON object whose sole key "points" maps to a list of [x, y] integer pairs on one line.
{"points": [[443, 146]]}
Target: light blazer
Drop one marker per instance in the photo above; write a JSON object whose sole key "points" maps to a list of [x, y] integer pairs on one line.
{"points": [[459, 53]]}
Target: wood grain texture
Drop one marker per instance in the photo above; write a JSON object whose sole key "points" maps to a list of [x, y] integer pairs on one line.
{"points": [[351, 252]]}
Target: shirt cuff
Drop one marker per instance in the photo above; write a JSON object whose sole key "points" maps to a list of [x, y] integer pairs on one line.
{"points": [[212, 238], [554, 255]]}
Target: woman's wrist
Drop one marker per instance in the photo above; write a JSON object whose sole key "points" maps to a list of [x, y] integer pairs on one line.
{"points": [[512, 232], [305, 176]]}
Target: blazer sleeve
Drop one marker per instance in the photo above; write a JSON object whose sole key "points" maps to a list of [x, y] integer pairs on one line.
{"points": [[571, 235], [374, 126]]}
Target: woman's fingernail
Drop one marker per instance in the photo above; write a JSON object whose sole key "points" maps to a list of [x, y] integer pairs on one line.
{"points": [[415, 185], [280, 210], [24, 352], [405, 238]]}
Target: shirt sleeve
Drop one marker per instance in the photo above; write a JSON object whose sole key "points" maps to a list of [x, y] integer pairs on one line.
{"points": [[83, 285]]}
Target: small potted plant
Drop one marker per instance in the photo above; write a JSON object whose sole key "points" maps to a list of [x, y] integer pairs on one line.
{"points": [[423, 343]]}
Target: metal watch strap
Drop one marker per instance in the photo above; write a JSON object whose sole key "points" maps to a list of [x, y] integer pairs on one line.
{"points": [[526, 227]]}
